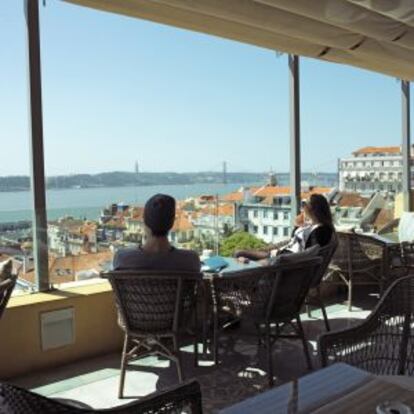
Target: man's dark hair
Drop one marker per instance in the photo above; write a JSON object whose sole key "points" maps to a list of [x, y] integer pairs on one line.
{"points": [[159, 214], [320, 209]]}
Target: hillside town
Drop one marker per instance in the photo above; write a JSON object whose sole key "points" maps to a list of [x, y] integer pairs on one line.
{"points": [[80, 249]]}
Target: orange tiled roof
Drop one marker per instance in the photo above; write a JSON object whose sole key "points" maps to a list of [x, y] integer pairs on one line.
{"points": [[222, 210], [384, 217], [269, 191], [378, 150], [315, 190], [352, 200], [182, 222], [235, 196], [64, 269], [206, 198], [137, 213]]}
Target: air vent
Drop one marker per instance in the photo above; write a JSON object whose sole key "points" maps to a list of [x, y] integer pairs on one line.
{"points": [[57, 328]]}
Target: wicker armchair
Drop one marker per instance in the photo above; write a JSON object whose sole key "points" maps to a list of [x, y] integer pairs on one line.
{"points": [[185, 398], [314, 297], [384, 343], [400, 261], [271, 297], [154, 311], [6, 289], [359, 259]]}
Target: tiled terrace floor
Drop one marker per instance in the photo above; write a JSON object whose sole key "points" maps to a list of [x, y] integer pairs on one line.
{"points": [[95, 381]]}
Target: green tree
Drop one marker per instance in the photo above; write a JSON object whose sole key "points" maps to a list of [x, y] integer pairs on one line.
{"points": [[240, 241]]}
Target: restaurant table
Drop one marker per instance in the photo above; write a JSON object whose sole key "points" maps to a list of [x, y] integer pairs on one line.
{"points": [[233, 265], [339, 388]]}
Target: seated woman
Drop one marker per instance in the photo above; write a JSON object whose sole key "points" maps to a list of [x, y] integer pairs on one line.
{"points": [[157, 252], [313, 226]]}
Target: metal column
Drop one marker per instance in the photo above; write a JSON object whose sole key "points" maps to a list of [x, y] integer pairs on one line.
{"points": [[406, 150], [40, 251], [295, 170]]}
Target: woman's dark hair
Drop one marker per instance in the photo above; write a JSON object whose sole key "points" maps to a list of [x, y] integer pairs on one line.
{"points": [[320, 209]]}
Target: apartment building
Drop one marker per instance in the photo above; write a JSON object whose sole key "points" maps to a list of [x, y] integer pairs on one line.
{"points": [[266, 211], [69, 236], [372, 169], [212, 219]]}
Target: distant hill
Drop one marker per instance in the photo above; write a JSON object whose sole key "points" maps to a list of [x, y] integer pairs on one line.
{"points": [[122, 179]]}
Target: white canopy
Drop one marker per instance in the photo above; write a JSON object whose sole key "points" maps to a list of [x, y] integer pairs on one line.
{"points": [[371, 34]]}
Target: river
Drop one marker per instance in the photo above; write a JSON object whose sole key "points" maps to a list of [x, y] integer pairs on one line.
{"points": [[88, 202]]}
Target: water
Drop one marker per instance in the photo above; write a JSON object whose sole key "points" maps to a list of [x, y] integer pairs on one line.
{"points": [[88, 202]]}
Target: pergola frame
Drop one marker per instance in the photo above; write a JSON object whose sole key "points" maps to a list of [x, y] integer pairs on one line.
{"points": [[38, 187]]}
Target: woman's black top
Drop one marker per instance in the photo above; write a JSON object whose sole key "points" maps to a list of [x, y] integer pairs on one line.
{"points": [[322, 235]]}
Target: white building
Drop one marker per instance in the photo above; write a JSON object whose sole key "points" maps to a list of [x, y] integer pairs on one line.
{"points": [[266, 213], [212, 219], [372, 169], [69, 236]]}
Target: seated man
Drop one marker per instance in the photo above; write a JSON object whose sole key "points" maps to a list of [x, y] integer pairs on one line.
{"points": [[157, 253]]}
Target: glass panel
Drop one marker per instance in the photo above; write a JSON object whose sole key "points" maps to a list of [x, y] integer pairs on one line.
{"points": [[15, 198]]}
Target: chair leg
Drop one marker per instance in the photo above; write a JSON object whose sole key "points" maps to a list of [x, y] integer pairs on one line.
{"points": [[322, 305], [305, 345], [178, 359], [325, 316], [196, 339], [123, 367], [215, 340], [350, 295], [269, 357], [308, 311]]}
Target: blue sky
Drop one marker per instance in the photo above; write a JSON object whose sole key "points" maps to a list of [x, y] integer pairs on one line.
{"points": [[118, 90]]}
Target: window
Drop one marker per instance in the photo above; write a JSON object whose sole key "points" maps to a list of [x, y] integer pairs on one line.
{"points": [[255, 213], [286, 231], [265, 213], [285, 215], [246, 228], [275, 231], [274, 215], [255, 229], [264, 229]]}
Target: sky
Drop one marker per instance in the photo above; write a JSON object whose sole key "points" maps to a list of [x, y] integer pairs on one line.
{"points": [[117, 90]]}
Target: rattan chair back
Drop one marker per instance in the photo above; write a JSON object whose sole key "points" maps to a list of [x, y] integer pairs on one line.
{"points": [[326, 253], [384, 342], [290, 288], [154, 302], [268, 292], [357, 251], [184, 398], [6, 289]]}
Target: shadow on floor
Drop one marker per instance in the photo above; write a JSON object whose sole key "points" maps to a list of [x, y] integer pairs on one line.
{"points": [[240, 374]]}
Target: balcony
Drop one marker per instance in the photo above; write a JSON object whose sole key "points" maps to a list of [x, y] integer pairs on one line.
{"points": [[85, 366], [87, 370]]}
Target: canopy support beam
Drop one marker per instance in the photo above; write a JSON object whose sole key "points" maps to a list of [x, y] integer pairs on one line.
{"points": [[40, 250], [295, 168], [406, 146]]}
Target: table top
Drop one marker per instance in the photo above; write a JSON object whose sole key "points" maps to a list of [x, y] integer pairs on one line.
{"points": [[234, 266], [313, 391]]}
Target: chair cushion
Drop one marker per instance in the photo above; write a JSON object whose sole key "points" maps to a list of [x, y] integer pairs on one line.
{"points": [[287, 258], [5, 270]]}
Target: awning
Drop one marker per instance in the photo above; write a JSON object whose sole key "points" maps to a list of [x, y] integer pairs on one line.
{"points": [[373, 34]]}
